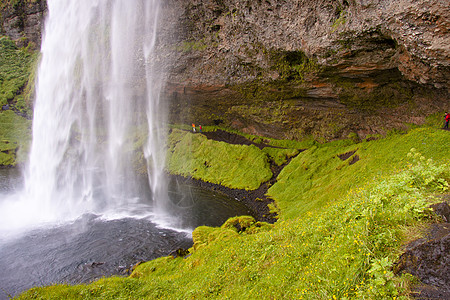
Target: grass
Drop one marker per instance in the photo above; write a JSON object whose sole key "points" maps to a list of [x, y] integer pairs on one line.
{"points": [[234, 166], [337, 236], [15, 137], [280, 156], [302, 182], [288, 144], [16, 66]]}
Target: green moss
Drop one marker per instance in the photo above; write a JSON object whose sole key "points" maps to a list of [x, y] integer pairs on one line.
{"points": [[16, 67], [436, 120], [239, 223], [234, 166], [15, 137], [319, 168], [340, 231], [286, 144], [292, 68], [4, 4], [190, 46], [280, 156], [388, 90], [293, 65], [271, 113], [341, 20]]}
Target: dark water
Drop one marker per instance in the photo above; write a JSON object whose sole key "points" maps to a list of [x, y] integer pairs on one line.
{"points": [[90, 247]]}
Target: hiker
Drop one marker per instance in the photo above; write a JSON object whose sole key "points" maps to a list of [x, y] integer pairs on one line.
{"points": [[193, 127], [446, 120], [200, 128]]}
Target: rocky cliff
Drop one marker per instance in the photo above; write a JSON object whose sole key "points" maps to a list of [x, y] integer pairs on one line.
{"points": [[22, 20], [297, 68], [242, 39], [323, 68]]}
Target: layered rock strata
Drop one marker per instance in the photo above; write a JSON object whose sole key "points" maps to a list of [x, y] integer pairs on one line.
{"points": [[293, 69]]}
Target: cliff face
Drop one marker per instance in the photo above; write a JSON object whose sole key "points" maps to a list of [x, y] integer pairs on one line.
{"points": [[22, 20], [326, 68], [296, 68], [351, 36]]}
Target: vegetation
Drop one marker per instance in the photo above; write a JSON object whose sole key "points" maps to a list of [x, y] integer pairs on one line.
{"points": [[280, 156], [341, 227], [15, 3], [15, 135], [243, 167], [192, 46], [320, 167], [15, 69], [380, 92], [293, 65], [16, 66], [342, 221]]}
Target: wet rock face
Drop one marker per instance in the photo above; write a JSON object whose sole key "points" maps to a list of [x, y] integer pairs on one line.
{"points": [[290, 69], [23, 21], [353, 36], [295, 68], [231, 41], [429, 258], [220, 42]]}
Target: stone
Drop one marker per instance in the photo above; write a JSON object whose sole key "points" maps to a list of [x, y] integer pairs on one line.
{"points": [[329, 67], [180, 252], [24, 21], [428, 258], [442, 210]]}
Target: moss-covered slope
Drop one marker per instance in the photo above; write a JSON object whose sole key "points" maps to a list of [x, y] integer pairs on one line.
{"points": [[234, 166], [343, 222], [16, 68]]}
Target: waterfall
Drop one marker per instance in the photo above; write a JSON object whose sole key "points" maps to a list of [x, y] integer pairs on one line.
{"points": [[98, 90]]}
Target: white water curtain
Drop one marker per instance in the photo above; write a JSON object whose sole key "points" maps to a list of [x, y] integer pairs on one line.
{"points": [[98, 84]]}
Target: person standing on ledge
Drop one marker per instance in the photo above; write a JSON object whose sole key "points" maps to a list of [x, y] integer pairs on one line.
{"points": [[200, 128], [193, 127], [446, 120]]}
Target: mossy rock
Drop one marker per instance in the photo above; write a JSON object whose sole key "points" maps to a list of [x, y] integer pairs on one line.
{"points": [[15, 137], [239, 224], [204, 235], [7, 159], [17, 70], [233, 166]]}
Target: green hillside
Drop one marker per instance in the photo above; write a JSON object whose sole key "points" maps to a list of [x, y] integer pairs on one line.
{"points": [[342, 222], [16, 67]]}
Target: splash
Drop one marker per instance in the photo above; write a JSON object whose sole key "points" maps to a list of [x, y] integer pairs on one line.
{"points": [[97, 92]]}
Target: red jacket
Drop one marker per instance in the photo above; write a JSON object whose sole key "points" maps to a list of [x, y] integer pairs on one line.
{"points": [[447, 117]]}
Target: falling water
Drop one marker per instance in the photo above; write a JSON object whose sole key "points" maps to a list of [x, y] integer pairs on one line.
{"points": [[98, 90], [98, 118]]}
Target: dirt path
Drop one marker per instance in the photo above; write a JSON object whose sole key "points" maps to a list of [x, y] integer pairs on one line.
{"points": [[232, 138]]}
